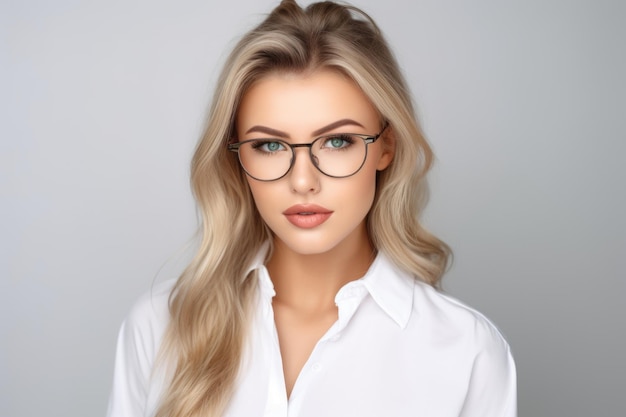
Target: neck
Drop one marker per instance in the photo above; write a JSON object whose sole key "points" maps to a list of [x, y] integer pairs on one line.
{"points": [[310, 282]]}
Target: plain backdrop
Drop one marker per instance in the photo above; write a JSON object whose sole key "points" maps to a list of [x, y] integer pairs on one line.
{"points": [[101, 104]]}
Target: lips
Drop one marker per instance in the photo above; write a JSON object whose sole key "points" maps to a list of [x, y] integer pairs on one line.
{"points": [[307, 216]]}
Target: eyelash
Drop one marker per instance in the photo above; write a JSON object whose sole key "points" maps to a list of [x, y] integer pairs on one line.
{"points": [[349, 140], [258, 144]]}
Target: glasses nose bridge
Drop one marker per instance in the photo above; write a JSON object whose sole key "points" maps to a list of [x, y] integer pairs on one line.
{"points": [[294, 146], [301, 145]]}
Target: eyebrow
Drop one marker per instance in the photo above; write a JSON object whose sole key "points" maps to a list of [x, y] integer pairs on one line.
{"points": [[321, 131]]}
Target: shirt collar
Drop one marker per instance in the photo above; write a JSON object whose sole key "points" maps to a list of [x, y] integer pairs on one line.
{"points": [[390, 287], [259, 259], [258, 265]]}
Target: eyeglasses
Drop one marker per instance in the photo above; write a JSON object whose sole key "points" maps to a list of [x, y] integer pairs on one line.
{"points": [[338, 155]]}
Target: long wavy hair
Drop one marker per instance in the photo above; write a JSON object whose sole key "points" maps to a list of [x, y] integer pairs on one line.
{"points": [[212, 301]]}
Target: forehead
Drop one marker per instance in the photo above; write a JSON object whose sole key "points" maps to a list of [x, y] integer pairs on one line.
{"points": [[301, 103]]}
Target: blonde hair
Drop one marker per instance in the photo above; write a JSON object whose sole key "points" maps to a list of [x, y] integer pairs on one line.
{"points": [[211, 302]]}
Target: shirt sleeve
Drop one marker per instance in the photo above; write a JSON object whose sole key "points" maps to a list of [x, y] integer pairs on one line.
{"points": [[129, 391], [137, 345], [493, 384]]}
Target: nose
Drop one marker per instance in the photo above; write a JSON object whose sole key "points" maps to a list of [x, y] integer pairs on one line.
{"points": [[304, 176]]}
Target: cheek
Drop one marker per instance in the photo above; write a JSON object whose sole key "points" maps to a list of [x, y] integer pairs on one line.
{"points": [[263, 196], [360, 192], [256, 192], [370, 170]]}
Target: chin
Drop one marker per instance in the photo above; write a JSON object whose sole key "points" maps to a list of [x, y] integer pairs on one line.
{"points": [[307, 246]]}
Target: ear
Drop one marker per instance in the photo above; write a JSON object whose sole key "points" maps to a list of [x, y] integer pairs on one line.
{"points": [[389, 149]]}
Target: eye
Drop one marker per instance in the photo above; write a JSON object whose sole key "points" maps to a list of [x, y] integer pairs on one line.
{"points": [[268, 146], [337, 142]]}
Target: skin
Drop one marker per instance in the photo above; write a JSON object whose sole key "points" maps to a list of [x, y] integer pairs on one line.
{"points": [[309, 266]]}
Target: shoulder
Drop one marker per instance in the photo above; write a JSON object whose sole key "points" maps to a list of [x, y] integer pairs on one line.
{"points": [[428, 314], [153, 302], [450, 318], [482, 356], [152, 307], [137, 347], [149, 316]]}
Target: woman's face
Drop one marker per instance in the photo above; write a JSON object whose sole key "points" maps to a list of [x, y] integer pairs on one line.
{"points": [[309, 212]]}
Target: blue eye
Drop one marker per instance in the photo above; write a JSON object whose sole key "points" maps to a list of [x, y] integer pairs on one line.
{"points": [[338, 142], [268, 146]]}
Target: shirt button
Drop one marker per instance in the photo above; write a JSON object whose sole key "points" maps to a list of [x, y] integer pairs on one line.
{"points": [[316, 367]]}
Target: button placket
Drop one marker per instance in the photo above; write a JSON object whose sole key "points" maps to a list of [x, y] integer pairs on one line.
{"points": [[311, 370], [277, 404]]}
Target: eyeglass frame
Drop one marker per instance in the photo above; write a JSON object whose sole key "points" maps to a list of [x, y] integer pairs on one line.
{"points": [[367, 139]]}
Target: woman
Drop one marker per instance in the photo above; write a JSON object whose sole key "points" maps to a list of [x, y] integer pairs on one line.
{"points": [[313, 289]]}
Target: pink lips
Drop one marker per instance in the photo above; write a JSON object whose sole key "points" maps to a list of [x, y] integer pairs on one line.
{"points": [[307, 216]]}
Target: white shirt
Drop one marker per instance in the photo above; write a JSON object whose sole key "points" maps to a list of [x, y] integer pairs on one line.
{"points": [[399, 348]]}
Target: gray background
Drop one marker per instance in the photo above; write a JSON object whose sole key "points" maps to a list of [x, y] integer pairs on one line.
{"points": [[102, 102]]}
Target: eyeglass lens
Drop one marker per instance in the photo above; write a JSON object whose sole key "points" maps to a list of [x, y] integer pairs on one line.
{"points": [[335, 156]]}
